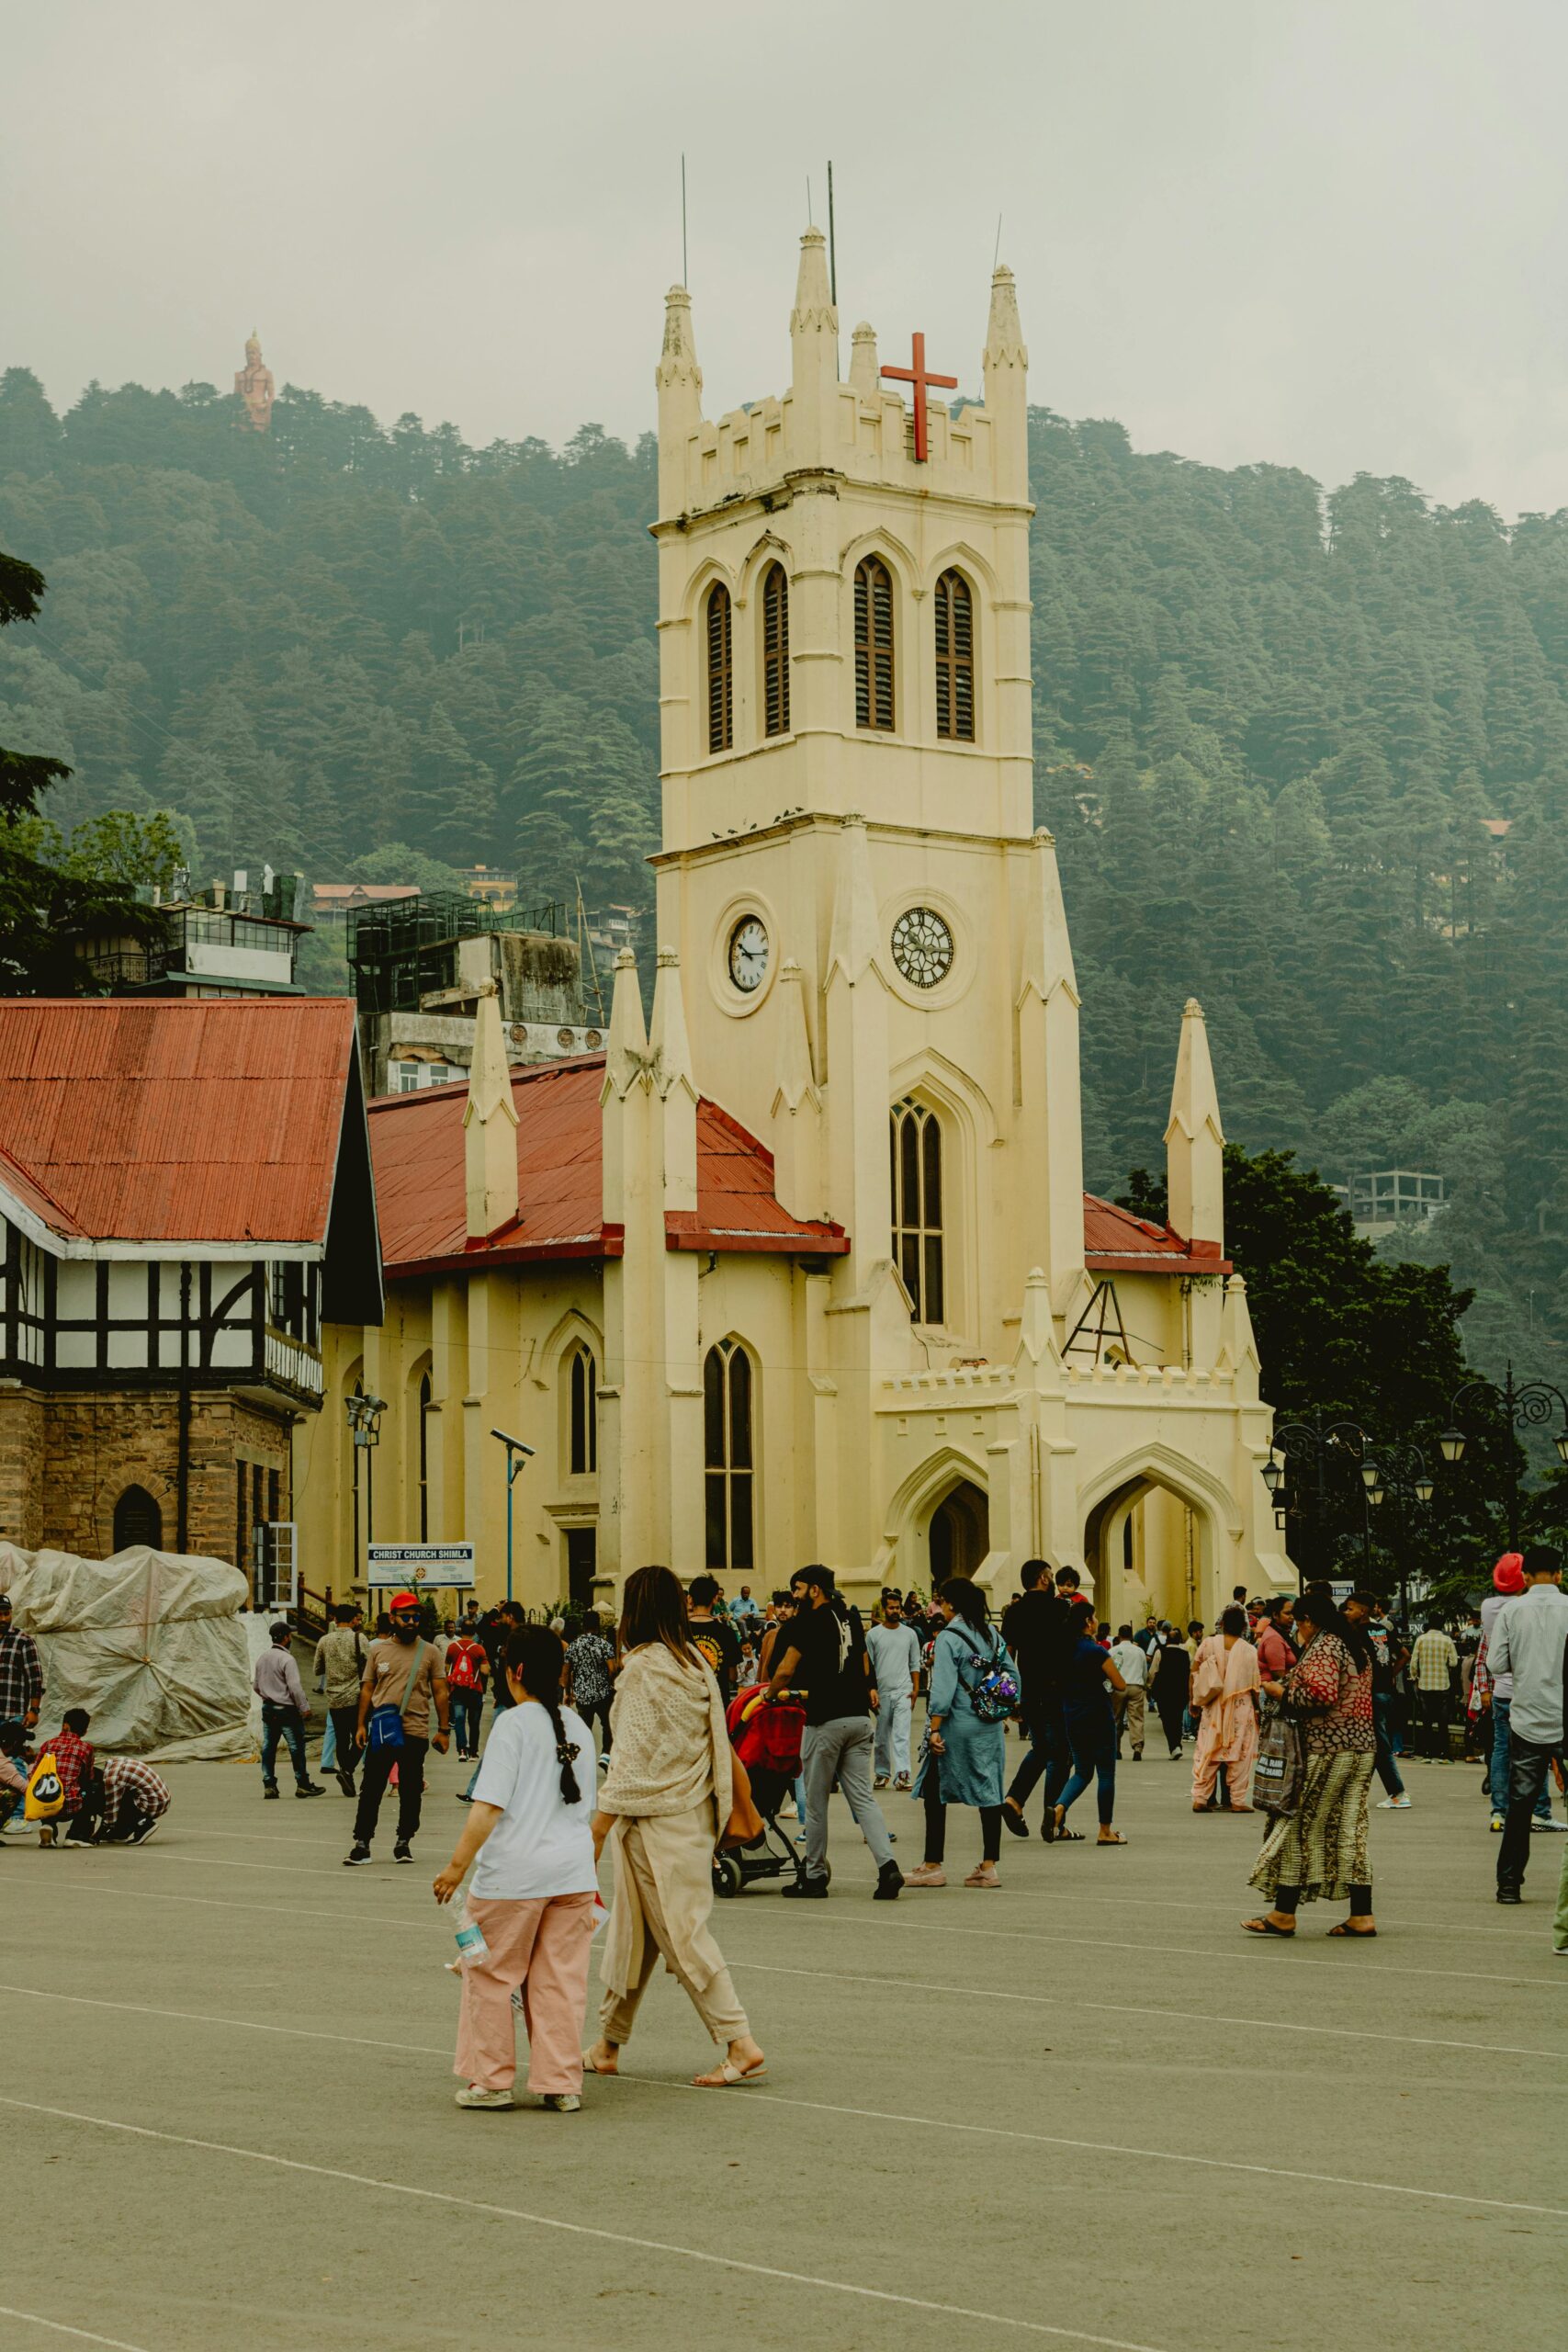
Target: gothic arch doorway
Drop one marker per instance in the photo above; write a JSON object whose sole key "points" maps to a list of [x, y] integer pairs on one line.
{"points": [[137, 1520], [959, 1535], [1150, 1549]]}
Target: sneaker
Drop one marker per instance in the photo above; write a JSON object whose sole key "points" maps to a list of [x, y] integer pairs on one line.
{"points": [[1544, 1821], [1393, 1805], [1496, 1821], [354, 1856], [1137, 1755], [889, 1883], [269, 1788], [983, 1875], [880, 1781], [901, 1785], [1510, 1894], [346, 1783], [143, 1830], [805, 1889], [787, 1810], [311, 1789], [401, 1852], [562, 2102], [472, 2096], [926, 1874], [1013, 1819]]}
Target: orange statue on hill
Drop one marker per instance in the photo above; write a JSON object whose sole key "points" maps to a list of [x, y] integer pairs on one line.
{"points": [[254, 383]]}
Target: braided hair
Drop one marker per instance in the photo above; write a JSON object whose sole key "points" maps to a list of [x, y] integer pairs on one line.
{"points": [[536, 1657]]}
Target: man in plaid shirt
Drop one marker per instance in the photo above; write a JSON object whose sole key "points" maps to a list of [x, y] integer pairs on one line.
{"points": [[21, 1676], [135, 1801]]}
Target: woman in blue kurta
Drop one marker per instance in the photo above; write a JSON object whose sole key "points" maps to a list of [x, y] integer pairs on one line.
{"points": [[963, 1756]]}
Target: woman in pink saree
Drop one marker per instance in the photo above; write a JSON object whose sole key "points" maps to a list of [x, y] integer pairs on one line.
{"points": [[1225, 1686]]}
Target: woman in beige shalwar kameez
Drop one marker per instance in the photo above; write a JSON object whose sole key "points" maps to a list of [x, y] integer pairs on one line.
{"points": [[666, 1797]]}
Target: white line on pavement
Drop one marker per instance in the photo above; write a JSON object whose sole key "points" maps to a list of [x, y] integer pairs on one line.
{"points": [[865, 2114], [81, 2335], [579, 2229]]}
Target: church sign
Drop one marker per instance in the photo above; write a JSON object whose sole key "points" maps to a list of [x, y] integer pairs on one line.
{"points": [[448, 1565]]}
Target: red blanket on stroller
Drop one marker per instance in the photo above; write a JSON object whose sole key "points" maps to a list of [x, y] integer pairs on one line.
{"points": [[768, 1738]]}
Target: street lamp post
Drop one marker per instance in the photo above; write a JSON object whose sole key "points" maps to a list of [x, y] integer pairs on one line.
{"points": [[365, 1429], [1314, 1441], [1519, 1408], [1401, 1471], [518, 1456]]}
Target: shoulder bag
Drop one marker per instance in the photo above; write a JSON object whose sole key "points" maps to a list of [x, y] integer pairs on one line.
{"points": [[385, 1728]]}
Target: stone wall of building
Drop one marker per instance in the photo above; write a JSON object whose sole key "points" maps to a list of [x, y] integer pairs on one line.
{"points": [[65, 1460]]}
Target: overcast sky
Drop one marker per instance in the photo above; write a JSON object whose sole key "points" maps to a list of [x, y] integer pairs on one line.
{"points": [[1331, 233]]}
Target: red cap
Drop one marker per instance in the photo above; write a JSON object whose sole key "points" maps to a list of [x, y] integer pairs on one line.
{"points": [[410, 1601], [1509, 1576]]}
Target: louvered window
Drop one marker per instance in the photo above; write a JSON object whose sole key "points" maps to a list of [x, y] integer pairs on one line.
{"points": [[775, 651], [914, 1149], [721, 682], [727, 1455], [955, 658], [874, 645]]}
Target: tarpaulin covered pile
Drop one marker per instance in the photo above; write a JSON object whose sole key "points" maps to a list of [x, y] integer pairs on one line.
{"points": [[151, 1643]]}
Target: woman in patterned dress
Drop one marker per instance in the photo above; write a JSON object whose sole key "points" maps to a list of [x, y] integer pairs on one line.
{"points": [[1320, 1849]]}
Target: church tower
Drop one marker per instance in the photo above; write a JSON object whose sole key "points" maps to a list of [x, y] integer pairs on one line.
{"points": [[873, 954]]}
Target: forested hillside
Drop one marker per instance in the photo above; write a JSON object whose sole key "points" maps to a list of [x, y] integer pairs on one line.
{"points": [[1273, 726]]}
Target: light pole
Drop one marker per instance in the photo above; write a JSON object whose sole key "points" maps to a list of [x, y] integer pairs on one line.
{"points": [[517, 1456], [1519, 1408], [365, 1429], [1313, 1442], [1401, 1471]]}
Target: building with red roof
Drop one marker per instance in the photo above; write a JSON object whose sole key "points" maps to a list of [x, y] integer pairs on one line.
{"points": [[185, 1198]]}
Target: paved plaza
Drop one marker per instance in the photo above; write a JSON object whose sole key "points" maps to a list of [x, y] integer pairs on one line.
{"points": [[1089, 2111]]}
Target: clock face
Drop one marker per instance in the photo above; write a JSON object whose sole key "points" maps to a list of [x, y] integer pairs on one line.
{"points": [[748, 954], [923, 948]]}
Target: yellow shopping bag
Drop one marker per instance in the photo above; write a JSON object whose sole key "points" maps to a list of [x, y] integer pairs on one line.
{"points": [[44, 1797]]}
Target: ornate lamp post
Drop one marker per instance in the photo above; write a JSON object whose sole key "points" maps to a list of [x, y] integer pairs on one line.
{"points": [[1531, 1406], [1401, 1472], [365, 1429], [1315, 1444]]}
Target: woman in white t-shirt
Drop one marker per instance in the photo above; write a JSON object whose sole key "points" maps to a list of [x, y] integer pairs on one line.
{"points": [[534, 1888]]}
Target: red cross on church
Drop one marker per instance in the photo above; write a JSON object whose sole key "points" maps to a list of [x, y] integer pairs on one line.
{"points": [[916, 374]]}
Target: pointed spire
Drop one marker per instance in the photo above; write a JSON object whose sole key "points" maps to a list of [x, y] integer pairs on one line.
{"points": [[795, 1079], [1004, 331], [1194, 1139], [1048, 955], [669, 1048], [1006, 387], [813, 341], [626, 1057], [679, 384], [865, 374], [1238, 1345], [1037, 1334], [856, 933], [489, 1126]]}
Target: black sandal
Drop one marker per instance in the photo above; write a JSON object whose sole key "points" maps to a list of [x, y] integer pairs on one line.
{"points": [[1264, 1927]]}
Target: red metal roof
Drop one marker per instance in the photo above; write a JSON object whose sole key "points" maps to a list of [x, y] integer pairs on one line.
{"points": [[175, 1119], [1117, 1242], [416, 1148]]}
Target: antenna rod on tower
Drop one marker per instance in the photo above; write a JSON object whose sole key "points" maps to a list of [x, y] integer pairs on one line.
{"points": [[810, 217], [684, 280], [833, 244], [997, 254]]}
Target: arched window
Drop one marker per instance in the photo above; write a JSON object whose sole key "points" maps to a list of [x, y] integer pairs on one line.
{"points": [[721, 694], [955, 658], [584, 1453], [424, 1458], [914, 1142], [137, 1520], [726, 1452], [874, 644], [775, 651]]}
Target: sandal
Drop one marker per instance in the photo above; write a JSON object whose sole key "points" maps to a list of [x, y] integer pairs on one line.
{"points": [[589, 2068], [727, 2075], [1267, 1927], [1068, 1837], [1115, 1838], [1344, 1928]]}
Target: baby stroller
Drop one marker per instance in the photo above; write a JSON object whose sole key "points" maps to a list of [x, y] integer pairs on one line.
{"points": [[767, 1740]]}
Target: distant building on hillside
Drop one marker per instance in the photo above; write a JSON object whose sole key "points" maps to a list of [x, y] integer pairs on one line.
{"points": [[254, 383], [1394, 1196], [490, 888], [227, 940], [330, 902], [421, 965]]}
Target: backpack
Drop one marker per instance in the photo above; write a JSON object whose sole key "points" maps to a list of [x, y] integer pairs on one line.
{"points": [[993, 1693], [44, 1797], [463, 1671]]}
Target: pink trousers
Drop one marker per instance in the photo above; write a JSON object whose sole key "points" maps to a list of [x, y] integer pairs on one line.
{"points": [[544, 1946]]}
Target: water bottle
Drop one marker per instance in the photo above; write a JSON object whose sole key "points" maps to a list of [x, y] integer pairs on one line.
{"points": [[471, 1944]]}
